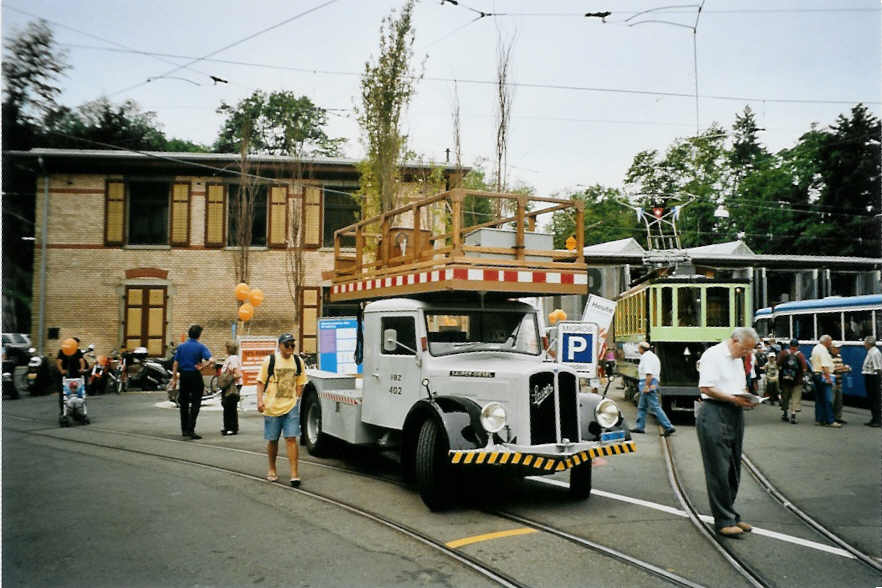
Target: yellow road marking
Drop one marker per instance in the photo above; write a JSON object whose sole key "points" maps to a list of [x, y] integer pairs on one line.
{"points": [[489, 537]]}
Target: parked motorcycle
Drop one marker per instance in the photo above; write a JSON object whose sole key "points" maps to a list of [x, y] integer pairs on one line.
{"points": [[117, 374], [39, 377], [97, 380], [154, 374]]}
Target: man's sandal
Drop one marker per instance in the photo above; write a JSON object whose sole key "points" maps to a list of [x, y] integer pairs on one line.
{"points": [[272, 478], [295, 482]]}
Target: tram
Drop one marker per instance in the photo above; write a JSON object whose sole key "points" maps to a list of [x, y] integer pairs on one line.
{"points": [[680, 316], [845, 318]]}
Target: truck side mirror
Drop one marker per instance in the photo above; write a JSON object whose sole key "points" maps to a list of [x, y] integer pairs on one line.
{"points": [[390, 340]]}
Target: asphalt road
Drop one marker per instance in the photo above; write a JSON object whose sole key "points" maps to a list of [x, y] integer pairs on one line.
{"points": [[78, 513]]}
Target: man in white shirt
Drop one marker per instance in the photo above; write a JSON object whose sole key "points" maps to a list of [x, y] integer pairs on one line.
{"points": [[648, 378], [822, 371], [872, 371], [720, 425]]}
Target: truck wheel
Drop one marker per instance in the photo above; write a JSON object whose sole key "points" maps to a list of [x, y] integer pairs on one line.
{"points": [[434, 479], [580, 481], [316, 441]]}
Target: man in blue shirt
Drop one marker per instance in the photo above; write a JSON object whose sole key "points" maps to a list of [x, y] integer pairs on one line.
{"points": [[190, 357]]}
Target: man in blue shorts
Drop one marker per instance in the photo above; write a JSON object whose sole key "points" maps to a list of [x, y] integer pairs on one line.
{"points": [[279, 387]]}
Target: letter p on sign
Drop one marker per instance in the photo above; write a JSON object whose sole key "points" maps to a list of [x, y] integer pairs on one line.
{"points": [[578, 347]]}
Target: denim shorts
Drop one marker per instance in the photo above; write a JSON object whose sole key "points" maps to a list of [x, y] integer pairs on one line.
{"points": [[287, 424]]}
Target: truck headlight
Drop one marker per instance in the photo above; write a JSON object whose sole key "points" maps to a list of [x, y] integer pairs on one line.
{"points": [[493, 417], [607, 413]]}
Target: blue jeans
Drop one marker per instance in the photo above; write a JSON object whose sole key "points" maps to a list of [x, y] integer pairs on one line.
{"points": [[649, 402], [823, 400]]}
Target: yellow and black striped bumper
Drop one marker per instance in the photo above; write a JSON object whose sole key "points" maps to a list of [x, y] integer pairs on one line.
{"points": [[541, 463]]}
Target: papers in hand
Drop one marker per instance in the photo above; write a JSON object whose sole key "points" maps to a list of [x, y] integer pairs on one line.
{"points": [[754, 399]]}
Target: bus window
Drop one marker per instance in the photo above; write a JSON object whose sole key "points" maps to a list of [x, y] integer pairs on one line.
{"points": [[804, 326], [762, 327], [717, 307], [858, 324], [782, 327], [667, 306], [830, 323], [878, 333], [688, 307], [740, 311]]}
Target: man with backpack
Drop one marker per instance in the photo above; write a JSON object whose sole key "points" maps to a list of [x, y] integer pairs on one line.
{"points": [[792, 365], [279, 388]]}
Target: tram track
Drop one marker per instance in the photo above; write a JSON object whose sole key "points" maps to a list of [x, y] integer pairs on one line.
{"points": [[490, 572], [471, 562], [739, 563]]}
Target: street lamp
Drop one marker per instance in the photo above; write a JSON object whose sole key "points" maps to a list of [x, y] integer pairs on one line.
{"points": [[721, 212]]}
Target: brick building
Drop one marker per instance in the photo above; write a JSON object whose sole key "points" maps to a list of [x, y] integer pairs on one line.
{"points": [[138, 246]]}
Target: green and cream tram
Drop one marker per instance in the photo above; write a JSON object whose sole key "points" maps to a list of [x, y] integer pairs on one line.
{"points": [[680, 316]]}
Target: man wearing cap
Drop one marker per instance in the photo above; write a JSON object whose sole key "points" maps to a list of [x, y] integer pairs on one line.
{"points": [[791, 368], [872, 372], [822, 372], [839, 370], [719, 425], [648, 377], [279, 387]]}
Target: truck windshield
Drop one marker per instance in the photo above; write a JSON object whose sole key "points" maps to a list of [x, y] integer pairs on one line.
{"points": [[467, 332]]}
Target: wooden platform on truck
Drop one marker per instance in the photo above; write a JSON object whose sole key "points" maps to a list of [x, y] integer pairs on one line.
{"points": [[427, 249]]}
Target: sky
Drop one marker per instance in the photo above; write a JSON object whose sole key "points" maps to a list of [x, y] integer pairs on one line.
{"points": [[588, 95]]}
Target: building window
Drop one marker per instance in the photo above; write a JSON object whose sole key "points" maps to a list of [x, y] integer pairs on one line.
{"points": [[341, 210], [258, 215], [148, 213]]}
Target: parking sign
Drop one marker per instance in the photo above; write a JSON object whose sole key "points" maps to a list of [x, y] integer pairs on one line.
{"points": [[577, 346]]}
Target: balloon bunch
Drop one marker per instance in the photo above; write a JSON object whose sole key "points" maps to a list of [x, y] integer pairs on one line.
{"points": [[556, 315], [250, 300]]}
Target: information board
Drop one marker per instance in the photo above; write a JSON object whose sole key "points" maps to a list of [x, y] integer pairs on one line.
{"points": [[337, 339], [252, 350]]}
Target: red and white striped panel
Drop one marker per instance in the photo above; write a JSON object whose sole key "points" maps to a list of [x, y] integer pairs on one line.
{"points": [[342, 398], [467, 274]]}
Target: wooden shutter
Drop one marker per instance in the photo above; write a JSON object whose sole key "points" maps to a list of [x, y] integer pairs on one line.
{"points": [[114, 213], [278, 216], [312, 217], [310, 299], [215, 204], [145, 309], [180, 215]]}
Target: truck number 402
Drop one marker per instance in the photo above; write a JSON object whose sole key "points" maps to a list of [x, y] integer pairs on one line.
{"points": [[395, 390]]}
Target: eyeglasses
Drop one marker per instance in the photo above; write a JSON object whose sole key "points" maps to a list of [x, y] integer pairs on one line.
{"points": [[289, 344]]}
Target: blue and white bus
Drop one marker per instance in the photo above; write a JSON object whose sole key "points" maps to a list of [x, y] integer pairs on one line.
{"points": [[845, 318]]}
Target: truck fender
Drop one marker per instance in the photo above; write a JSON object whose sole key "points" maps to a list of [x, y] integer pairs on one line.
{"points": [[458, 417], [590, 428]]}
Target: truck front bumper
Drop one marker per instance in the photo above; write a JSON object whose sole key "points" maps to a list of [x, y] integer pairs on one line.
{"points": [[545, 459]]}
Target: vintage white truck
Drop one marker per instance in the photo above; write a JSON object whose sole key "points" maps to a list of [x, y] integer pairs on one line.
{"points": [[455, 373]]}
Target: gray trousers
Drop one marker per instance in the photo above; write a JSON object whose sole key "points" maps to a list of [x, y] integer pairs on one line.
{"points": [[720, 429]]}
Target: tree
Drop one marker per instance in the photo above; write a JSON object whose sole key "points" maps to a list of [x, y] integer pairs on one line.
{"points": [[387, 86], [281, 123], [31, 68], [97, 122], [605, 218], [503, 114]]}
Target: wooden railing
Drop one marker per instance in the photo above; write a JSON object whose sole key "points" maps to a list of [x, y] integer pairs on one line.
{"points": [[431, 232]]}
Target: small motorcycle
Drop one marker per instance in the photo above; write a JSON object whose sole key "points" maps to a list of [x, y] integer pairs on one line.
{"points": [[154, 374], [116, 374]]}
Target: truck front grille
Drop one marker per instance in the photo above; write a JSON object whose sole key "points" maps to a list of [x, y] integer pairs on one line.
{"points": [[543, 421]]}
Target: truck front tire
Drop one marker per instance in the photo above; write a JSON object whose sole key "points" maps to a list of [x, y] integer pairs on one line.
{"points": [[316, 441], [435, 481], [580, 481]]}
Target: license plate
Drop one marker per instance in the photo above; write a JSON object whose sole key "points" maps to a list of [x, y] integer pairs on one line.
{"points": [[612, 436]]}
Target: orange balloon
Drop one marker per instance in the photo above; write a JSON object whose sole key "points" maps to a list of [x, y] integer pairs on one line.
{"points": [[561, 315], [246, 311], [255, 297], [69, 346], [242, 291]]}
